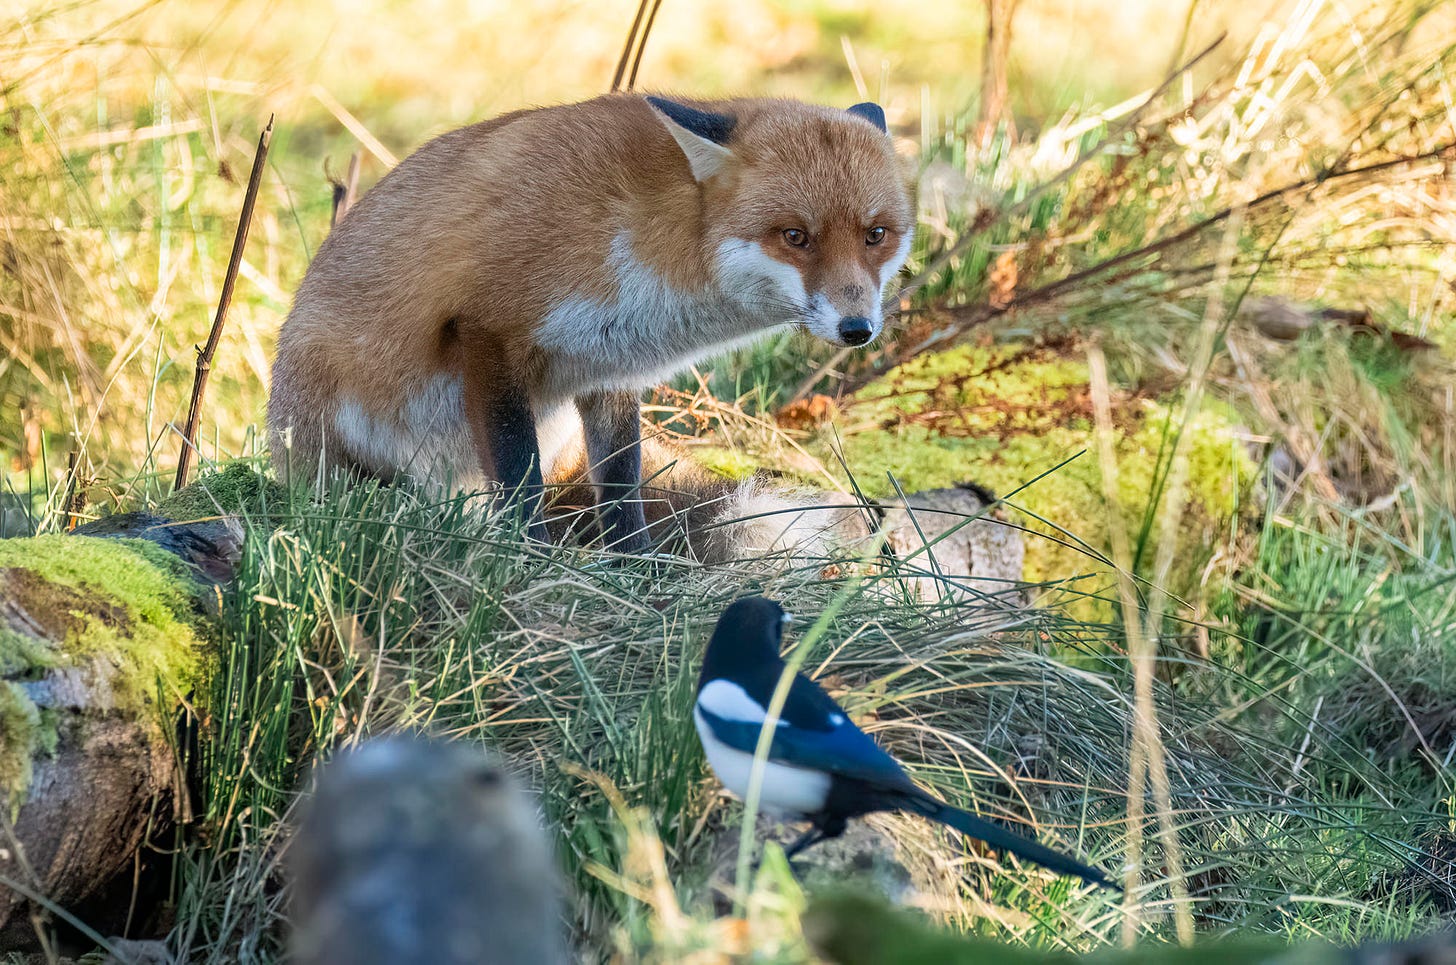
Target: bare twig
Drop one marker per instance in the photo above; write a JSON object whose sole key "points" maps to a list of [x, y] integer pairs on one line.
{"points": [[75, 500], [642, 45], [637, 41], [995, 85], [627, 47], [205, 354]]}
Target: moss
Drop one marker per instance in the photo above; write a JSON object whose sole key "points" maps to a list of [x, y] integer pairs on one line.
{"points": [[20, 741], [728, 463], [124, 602], [1002, 417], [237, 489], [22, 654]]}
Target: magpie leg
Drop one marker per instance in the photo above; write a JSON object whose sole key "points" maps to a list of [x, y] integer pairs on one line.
{"points": [[805, 841]]}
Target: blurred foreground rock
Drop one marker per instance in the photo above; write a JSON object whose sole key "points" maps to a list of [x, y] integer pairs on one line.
{"points": [[413, 851]]}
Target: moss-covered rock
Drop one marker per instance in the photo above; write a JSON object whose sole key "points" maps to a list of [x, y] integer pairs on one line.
{"points": [[1011, 417], [238, 489]]}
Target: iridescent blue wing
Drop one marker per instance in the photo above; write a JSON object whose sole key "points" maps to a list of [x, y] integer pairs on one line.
{"points": [[815, 734]]}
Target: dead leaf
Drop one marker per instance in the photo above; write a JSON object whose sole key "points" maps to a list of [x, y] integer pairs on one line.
{"points": [[1003, 281], [807, 413]]}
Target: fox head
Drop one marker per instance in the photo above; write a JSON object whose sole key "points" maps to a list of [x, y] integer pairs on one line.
{"points": [[807, 209]]}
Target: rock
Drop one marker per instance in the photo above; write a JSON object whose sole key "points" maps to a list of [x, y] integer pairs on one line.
{"points": [[862, 854], [864, 857], [963, 547], [420, 851]]}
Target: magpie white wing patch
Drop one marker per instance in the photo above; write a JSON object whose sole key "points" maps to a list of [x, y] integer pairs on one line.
{"points": [[786, 792], [728, 701]]}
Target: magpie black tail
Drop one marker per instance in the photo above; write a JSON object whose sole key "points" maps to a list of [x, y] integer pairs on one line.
{"points": [[1004, 840]]}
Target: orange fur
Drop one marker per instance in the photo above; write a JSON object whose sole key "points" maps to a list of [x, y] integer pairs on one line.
{"points": [[552, 253]]}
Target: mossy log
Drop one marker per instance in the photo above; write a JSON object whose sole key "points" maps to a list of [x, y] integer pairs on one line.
{"points": [[103, 640], [100, 646]]}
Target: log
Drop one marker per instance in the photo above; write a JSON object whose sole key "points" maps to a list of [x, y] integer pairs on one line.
{"points": [[960, 543], [99, 643], [103, 633]]}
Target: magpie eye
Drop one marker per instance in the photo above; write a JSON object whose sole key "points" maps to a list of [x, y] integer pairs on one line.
{"points": [[874, 236], [796, 237]]}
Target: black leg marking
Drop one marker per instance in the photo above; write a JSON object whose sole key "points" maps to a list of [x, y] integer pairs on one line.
{"points": [[614, 450], [517, 457], [804, 842]]}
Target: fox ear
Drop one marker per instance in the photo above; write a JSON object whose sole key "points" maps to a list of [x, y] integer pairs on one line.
{"points": [[871, 112], [702, 135]]}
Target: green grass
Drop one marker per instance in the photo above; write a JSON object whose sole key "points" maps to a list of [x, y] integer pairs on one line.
{"points": [[371, 610]]}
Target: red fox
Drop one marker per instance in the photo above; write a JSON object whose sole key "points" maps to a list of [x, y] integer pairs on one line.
{"points": [[519, 282]]}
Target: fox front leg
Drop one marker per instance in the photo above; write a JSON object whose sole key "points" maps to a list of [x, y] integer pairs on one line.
{"points": [[613, 429], [505, 433]]}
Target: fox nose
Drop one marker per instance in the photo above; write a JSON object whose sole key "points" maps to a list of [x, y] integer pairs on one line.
{"points": [[855, 330]]}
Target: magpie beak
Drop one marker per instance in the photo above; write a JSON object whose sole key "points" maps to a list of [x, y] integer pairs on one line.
{"points": [[821, 767]]}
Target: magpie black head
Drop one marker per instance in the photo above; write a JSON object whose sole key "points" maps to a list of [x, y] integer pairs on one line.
{"points": [[749, 635]]}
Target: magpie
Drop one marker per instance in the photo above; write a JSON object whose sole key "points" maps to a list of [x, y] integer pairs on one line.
{"points": [[821, 768]]}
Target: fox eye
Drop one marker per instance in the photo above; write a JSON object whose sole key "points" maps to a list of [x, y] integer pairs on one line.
{"points": [[796, 237], [874, 236]]}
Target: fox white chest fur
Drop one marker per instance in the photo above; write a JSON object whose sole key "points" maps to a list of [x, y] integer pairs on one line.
{"points": [[651, 331], [516, 284]]}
